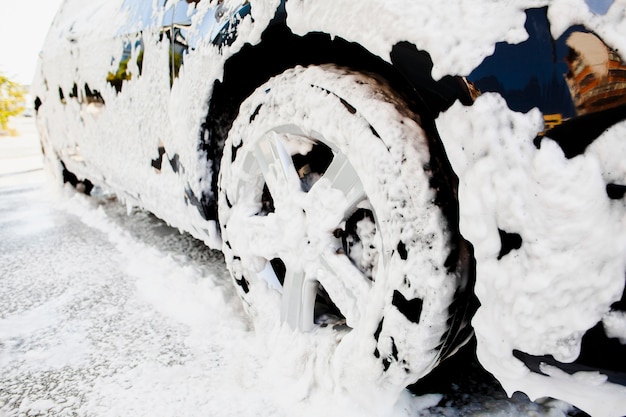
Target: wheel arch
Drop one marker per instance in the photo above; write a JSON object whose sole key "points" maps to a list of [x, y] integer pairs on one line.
{"points": [[408, 74]]}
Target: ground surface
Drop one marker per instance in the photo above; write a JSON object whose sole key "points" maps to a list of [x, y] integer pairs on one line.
{"points": [[108, 311]]}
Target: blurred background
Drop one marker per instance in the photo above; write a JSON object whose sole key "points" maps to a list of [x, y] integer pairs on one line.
{"points": [[23, 28]]}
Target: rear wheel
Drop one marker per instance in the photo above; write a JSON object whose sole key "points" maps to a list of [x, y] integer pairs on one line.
{"points": [[330, 224]]}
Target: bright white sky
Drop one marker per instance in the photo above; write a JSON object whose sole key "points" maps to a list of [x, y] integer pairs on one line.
{"points": [[24, 24]]}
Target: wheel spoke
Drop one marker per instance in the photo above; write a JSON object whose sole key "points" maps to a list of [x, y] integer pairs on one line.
{"points": [[344, 283], [298, 302], [276, 166], [257, 235], [341, 176]]}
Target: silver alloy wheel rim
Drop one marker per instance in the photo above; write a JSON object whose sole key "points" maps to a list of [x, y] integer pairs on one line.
{"points": [[312, 217]]}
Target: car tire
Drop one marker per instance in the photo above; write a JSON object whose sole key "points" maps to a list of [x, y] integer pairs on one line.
{"points": [[331, 226]]}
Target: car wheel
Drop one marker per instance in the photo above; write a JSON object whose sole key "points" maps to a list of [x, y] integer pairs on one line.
{"points": [[331, 226]]}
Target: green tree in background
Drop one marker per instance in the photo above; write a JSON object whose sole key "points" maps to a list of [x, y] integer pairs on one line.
{"points": [[11, 100]]}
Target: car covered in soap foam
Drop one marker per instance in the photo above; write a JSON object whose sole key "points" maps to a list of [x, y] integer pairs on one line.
{"points": [[388, 178]]}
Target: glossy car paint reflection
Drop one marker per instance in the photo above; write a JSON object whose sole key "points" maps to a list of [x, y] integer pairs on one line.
{"points": [[565, 78]]}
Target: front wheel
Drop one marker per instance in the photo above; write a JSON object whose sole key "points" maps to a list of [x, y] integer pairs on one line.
{"points": [[330, 224]]}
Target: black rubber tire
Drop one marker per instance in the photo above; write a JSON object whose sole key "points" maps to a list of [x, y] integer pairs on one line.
{"points": [[410, 313]]}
